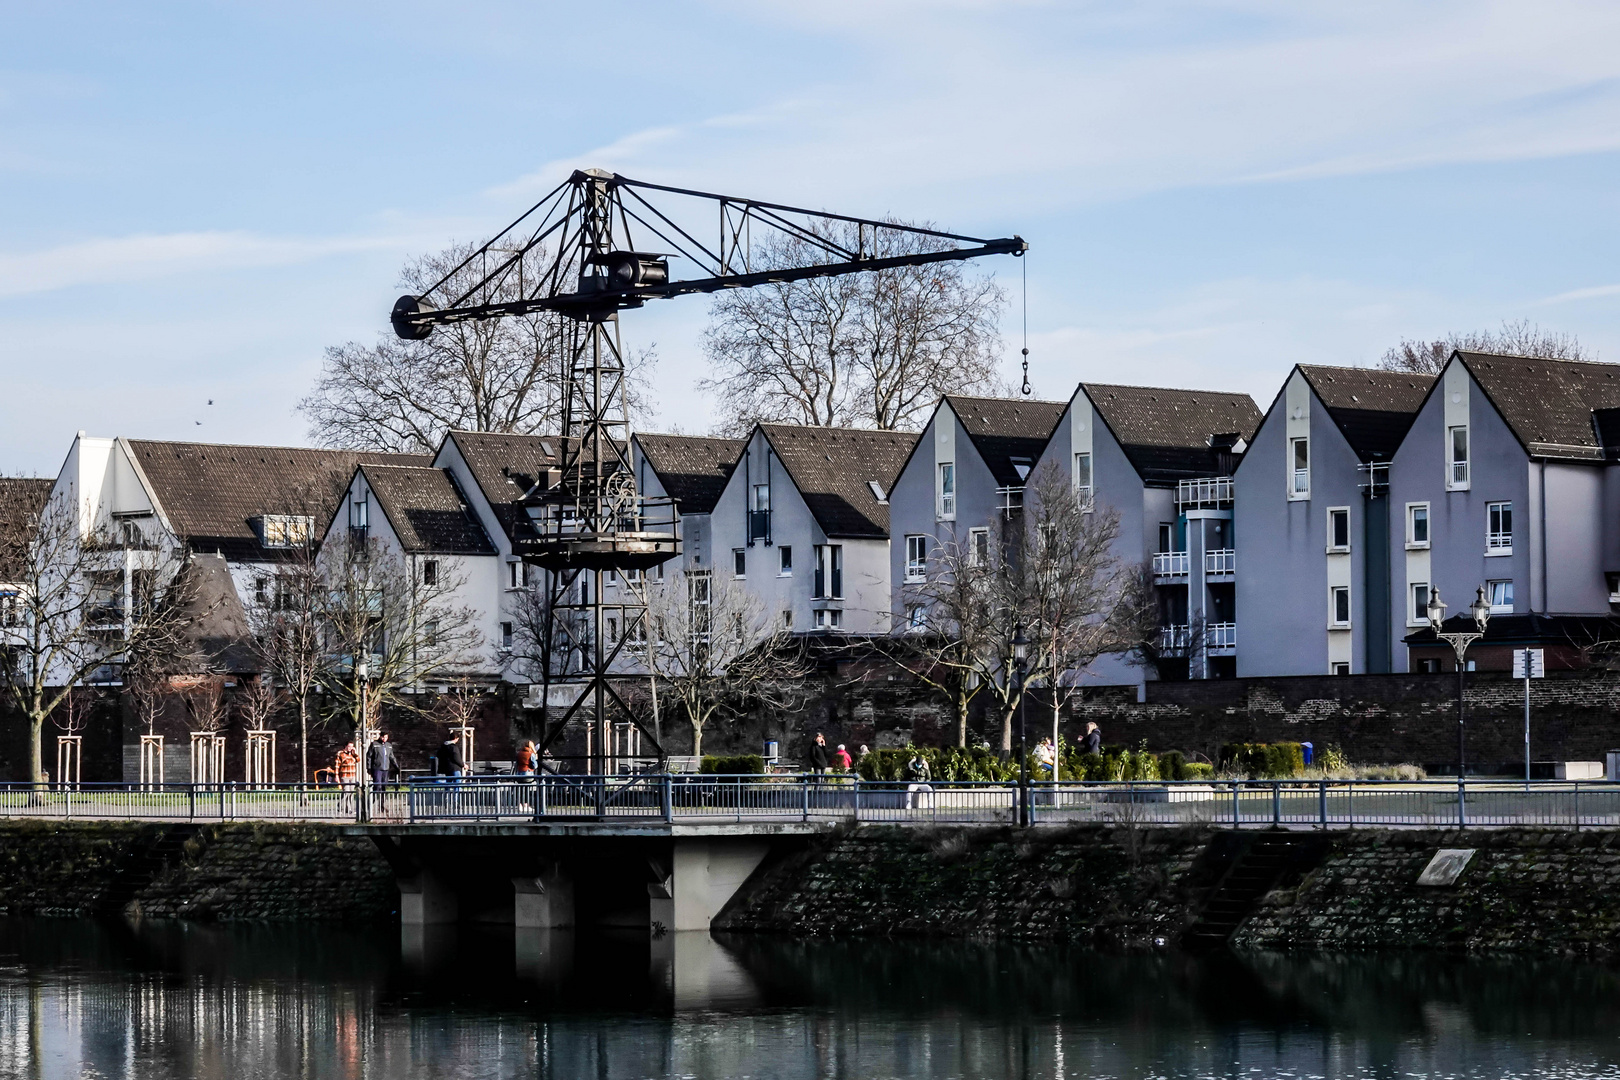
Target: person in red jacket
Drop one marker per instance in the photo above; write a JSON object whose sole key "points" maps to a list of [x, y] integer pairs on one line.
{"points": [[841, 759]]}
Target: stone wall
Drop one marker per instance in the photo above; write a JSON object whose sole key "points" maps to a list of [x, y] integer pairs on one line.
{"points": [[224, 872]]}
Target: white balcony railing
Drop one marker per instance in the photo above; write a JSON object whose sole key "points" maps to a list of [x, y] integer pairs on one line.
{"points": [[1174, 638], [1220, 561], [1206, 491], [1221, 635], [1009, 500], [1171, 564], [1498, 542]]}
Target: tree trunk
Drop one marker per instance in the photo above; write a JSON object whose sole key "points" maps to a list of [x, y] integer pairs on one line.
{"points": [[36, 758], [303, 738], [697, 739], [1007, 715], [961, 723]]}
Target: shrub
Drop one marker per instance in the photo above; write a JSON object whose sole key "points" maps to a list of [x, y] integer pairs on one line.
{"points": [[944, 763], [731, 764], [1172, 765], [1332, 759], [1198, 770], [1269, 761]]}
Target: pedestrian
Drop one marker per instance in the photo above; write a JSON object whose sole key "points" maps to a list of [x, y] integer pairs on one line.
{"points": [[380, 760], [841, 759], [451, 763], [1046, 756], [818, 755], [347, 764], [525, 759], [918, 770], [860, 755], [1091, 743]]}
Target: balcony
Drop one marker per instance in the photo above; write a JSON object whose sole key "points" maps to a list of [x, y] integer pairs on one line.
{"points": [[1221, 561], [1009, 500], [1210, 492], [1174, 638], [759, 526], [1221, 637], [1374, 478], [1172, 564]]}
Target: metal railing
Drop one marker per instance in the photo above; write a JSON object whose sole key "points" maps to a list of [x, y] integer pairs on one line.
{"points": [[1175, 637], [1206, 491], [1172, 564], [1221, 635], [1220, 561], [807, 798], [1009, 500]]}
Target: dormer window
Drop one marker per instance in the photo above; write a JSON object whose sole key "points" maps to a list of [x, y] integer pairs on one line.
{"points": [[877, 491], [289, 530]]}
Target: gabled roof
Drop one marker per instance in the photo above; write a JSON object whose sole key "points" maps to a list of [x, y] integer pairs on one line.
{"points": [[1548, 404], [1373, 409], [22, 499], [427, 510], [211, 492], [693, 469], [1009, 433], [1167, 434], [833, 469], [216, 634], [505, 468]]}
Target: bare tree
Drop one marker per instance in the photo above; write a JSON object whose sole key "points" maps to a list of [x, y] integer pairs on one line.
{"points": [[948, 618], [868, 350], [206, 703], [1522, 338], [714, 648], [378, 609], [289, 632], [79, 599], [258, 701], [502, 375]]}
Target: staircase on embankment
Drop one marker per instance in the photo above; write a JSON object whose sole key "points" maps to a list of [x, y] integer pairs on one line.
{"points": [[1244, 867]]}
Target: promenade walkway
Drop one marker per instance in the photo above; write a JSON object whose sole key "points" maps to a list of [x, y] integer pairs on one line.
{"points": [[580, 802]]}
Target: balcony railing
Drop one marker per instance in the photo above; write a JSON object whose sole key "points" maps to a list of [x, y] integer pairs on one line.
{"points": [[1498, 542], [1210, 491], [1174, 638], [1009, 500], [1374, 478], [1171, 564], [1221, 635], [1220, 561], [759, 525]]}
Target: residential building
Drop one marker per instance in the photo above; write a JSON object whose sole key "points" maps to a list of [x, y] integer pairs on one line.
{"points": [[1506, 481], [803, 523], [1313, 495], [1162, 459], [965, 474], [692, 472]]}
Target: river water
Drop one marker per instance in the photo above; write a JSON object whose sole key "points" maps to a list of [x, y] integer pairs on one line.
{"points": [[81, 998]]}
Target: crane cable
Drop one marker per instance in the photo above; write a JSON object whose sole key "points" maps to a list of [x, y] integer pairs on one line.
{"points": [[1024, 298]]}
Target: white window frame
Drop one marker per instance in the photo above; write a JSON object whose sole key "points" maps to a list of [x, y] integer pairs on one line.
{"points": [[1334, 622], [517, 574], [1339, 667], [1299, 480], [978, 552], [1413, 544], [1334, 511], [784, 560], [507, 636], [946, 482], [1490, 594], [916, 567], [787, 619], [739, 563], [1498, 542], [1412, 618], [1086, 492], [916, 619], [1457, 472]]}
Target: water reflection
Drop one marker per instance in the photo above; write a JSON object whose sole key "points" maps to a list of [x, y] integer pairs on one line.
{"points": [[84, 998]]}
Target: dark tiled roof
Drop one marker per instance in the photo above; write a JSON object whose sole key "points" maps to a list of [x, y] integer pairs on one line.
{"points": [[1372, 409], [217, 634], [505, 467], [831, 467], [693, 469], [1166, 433], [210, 493], [1548, 404], [21, 500], [427, 510], [1007, 431]]}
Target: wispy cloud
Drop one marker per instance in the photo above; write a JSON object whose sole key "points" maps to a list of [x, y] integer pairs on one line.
{"points": [[1592, 293]]}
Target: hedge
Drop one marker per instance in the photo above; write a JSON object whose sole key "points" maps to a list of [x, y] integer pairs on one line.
{"points": [[732, 764], [1267, 761]]}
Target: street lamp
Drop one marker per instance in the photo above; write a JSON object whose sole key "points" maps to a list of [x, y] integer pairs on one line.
{"points": [[361, 673], [1020, 646], [1459, 642]]}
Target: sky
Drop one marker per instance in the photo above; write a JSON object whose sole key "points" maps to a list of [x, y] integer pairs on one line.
{"points": [[197, 199]]}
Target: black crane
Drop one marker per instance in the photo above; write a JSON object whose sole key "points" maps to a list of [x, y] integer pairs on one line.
{"points": [[605, 244]]}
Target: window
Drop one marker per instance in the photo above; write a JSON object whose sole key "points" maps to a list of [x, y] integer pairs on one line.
{"points": [[829, 583], [613, 629], [1418, 614], [699, 596], [947, 490], [784, 561], [978, 547], [430, 633], [1499, 528], [359, 513], [759, 515], [1500, 594], [1021, 466], [517, 575], [1457, 473], [430, 571], [1339, 529], [1167, 537], [916, 618], [1339, 605], [1417, 525], [739, 562], [829, 619], [787, 618], [877, 491], [261, 590], [1300, 483], [916, 558], [506, 635], [762, 496], [11, 608], [1082, 479], [1341, 668], [285, 530]]}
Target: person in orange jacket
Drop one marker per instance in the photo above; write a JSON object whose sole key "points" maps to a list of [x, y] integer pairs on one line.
{"points": [[347, 765]]}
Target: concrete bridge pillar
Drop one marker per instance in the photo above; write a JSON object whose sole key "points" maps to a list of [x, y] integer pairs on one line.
{"points": [[543, 901], [427, 898], [701, 876]]}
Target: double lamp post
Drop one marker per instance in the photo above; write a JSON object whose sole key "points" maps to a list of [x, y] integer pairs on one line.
{"points": [[1459, 642]]}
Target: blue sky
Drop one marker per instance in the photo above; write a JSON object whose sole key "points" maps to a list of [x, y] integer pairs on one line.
{"points": [[195, 199]]}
